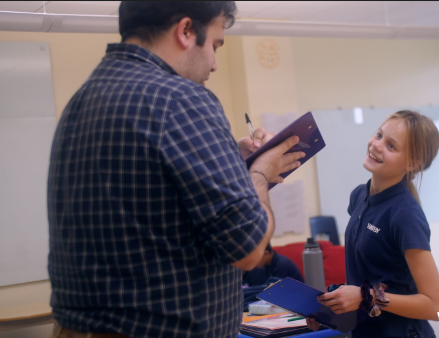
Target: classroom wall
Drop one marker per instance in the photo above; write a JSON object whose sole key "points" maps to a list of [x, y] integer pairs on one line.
{"points": [[305, 74], [348, 73], [267, 84], [310, 73]]}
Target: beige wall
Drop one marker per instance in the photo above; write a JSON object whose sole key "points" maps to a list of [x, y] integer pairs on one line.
{"points": [[313, 73], [73, 58], [348, 73], [266, 74], [324, 73]]}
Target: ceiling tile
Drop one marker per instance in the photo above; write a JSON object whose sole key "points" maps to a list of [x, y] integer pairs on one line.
{"points": [[301, 10], [382, 13], [20, 6], [431, 21], [248, 9], [82, 7], [348, 12], [414, 13], [355, 12], [254, 6]]}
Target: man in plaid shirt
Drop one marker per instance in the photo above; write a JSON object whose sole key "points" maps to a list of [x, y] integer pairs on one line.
{"points": [[153, 213]]}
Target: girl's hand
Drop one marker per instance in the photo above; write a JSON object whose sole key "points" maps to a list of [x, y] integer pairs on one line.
{"points": [[345, 299], [312, 324]]}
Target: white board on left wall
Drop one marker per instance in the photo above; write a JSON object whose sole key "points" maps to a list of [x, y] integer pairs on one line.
{"points": [[27, 125]]}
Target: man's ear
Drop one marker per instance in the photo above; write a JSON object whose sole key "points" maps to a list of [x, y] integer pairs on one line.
{"points": [[185, 33]]}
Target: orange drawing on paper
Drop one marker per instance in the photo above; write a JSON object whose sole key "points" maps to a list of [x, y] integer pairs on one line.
{"points": [[268, 53]]}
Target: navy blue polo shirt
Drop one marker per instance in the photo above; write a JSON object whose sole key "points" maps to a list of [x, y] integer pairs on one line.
{"points": [[280, 267], [380, 229]]}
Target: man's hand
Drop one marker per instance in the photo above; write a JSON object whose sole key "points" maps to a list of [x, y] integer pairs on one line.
{"points": [[275, 161], [346, 298], [247, 145]]}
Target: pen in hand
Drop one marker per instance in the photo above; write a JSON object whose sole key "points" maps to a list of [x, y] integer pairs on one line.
{"points": [[249, 124]]}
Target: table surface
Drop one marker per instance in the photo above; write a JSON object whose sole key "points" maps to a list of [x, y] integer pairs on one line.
{"points": [[36, 310], [26, 311]]}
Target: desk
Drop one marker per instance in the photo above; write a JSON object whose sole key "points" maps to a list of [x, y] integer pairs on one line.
{"points": [[21, 316]]}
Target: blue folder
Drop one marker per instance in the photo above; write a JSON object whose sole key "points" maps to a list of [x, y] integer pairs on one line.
{"points": [[300, 298], [310, 141]]}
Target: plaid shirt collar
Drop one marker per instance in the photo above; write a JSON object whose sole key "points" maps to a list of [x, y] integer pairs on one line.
{"points": [[128, 51]]}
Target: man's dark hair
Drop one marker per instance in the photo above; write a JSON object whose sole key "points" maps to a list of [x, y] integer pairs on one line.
{"points": [[147, 20]]}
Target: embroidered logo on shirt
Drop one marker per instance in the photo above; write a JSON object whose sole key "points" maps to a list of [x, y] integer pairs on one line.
{"points": [[373, 228]]}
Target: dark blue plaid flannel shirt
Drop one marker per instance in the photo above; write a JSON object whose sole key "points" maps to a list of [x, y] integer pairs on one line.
{"points": [[149, 202]]}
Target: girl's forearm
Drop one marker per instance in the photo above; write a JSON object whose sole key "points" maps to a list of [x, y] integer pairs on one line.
{"points": [[417, 306]]}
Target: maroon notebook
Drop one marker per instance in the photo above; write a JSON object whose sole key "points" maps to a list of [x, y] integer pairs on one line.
{"points": [[310, 141]]}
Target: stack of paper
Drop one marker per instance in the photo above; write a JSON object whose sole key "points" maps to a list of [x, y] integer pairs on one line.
{"points": [[281, 325], [288, 205]]}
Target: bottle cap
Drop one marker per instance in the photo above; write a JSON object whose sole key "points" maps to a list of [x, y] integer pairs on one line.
{"points": [[311, 244]]}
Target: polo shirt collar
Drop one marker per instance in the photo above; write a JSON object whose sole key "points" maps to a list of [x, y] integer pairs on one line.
{"points": [[385, 194], [128, 51]]}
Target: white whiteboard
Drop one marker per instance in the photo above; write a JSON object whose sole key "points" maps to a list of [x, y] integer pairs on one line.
{"points": [[340, 163], [27, 125]]}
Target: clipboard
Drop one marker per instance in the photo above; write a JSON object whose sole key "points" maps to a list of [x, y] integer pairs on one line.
{"points": [[310, 141], [300, 298]]}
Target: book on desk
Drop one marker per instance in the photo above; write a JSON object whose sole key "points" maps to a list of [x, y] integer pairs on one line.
{"points": [[280, 325]]}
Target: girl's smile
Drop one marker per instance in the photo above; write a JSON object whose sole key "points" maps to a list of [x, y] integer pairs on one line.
{"points": [[374, 158]]}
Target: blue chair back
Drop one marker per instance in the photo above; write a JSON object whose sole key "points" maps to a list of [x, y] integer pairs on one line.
{"points": [[324, 225]]}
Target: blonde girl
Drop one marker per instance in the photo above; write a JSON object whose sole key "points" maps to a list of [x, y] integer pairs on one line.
{"points": [[391, 275]]}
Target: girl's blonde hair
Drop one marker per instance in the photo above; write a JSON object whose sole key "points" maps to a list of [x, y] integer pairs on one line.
{"points": [[422, 145]]}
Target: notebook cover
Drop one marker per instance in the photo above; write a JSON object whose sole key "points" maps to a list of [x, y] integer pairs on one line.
{"points": [[298, 297], [310, 141]]}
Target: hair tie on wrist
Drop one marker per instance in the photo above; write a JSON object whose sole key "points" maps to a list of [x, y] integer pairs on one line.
{"points": [[380, 300], [374, 310], [366, 304], [258, 172]]}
